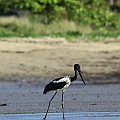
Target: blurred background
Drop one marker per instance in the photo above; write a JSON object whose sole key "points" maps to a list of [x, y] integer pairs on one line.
{"points": [[86, 19]]}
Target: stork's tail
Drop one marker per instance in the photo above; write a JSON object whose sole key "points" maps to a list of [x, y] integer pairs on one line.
{"points": [[47, 88], [45, 91]]}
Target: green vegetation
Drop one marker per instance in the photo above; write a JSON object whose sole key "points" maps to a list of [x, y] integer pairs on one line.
{"points": [[23, 27], [71, 19]]}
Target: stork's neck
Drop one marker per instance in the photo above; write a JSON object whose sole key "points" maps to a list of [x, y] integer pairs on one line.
{"points": [[74, 77]]}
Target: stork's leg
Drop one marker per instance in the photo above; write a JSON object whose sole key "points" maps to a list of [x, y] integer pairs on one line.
{"points": [[49, 106], [63, 103]]}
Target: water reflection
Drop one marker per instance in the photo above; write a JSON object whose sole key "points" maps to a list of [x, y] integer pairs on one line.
{"points": [[68, 116]]}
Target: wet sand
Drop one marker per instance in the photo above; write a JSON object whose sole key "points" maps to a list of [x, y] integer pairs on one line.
{"points": [[29, 98]]}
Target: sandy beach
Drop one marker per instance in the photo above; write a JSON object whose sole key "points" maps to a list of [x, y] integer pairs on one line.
{"points": [[53, 58], [28, 65]]}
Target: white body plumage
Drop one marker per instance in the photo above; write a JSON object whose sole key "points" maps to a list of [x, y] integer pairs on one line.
{"points": [[58, 84], [64, 79]]}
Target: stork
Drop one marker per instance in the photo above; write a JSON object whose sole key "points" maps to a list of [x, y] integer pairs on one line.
{"points": [[60, 84]]}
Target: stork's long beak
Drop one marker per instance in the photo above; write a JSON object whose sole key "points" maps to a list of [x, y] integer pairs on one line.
{"points": [[81, 76]]}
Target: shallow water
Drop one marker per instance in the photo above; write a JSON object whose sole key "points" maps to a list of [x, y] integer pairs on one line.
{"points": [[68, 116]]}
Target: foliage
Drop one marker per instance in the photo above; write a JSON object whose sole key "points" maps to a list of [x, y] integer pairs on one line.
{"points": [[23, 27], [93, 12]]}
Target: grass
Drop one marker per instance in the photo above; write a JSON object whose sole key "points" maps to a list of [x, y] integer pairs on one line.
{"points": [[24, 27]]}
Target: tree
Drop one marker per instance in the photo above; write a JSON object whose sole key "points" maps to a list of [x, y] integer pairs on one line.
{"points": [[94, 12]]}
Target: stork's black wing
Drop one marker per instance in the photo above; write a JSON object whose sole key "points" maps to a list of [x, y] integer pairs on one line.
{"points": [[53, 86]]}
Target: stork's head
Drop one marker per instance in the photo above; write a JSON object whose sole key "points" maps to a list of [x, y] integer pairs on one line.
{"points": [[77, 68]]}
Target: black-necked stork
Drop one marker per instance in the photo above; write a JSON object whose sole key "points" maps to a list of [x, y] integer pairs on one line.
{"points": [[61, 84]]}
